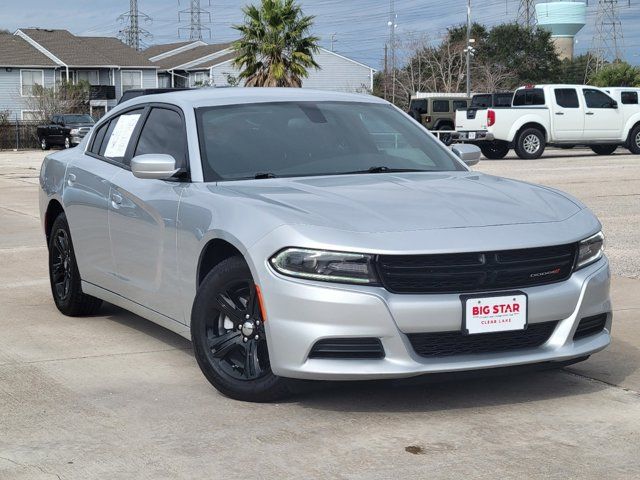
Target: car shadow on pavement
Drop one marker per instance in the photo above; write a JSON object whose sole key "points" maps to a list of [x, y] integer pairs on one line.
{"points": [[142, 325], [452, 394]]}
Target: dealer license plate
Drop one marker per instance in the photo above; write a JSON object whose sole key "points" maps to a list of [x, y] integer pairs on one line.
{"points": [[472, 135], [494, 313]]}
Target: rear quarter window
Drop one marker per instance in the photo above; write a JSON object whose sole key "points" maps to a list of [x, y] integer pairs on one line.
{"points": [[440, 106], [629, 98]]}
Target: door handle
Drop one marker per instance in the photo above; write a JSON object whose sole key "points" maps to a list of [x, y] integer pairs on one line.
{"points": [[559, 113], [589, 113], [71, 179]]}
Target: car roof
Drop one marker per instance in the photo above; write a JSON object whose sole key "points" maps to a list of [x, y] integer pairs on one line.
{"points": [[211, 97]]}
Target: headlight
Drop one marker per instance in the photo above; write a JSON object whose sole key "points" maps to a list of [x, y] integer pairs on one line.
{"points": [[325, 266], [74, 131], [590, 250]]}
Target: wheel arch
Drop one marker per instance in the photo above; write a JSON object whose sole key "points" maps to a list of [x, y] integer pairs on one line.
{"points": [[54, 208], [215, 251], [536, 125], [632, 123]]}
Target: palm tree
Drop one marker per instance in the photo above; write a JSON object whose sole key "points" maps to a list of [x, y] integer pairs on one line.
{"points": [[275, 49]]}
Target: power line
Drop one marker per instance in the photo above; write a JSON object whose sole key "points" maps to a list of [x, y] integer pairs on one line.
{"points": [[608, 38], [131, 34], [199, 18], [527, 13]]}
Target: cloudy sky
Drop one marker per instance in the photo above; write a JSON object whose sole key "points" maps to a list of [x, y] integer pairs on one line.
{"points": [[359, 27]]}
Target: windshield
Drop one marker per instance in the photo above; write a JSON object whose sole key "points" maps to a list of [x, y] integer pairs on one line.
{"points": [[78, 119], [305, 138]]}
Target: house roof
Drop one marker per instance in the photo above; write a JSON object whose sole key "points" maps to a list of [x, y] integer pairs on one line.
{"points": [[216, 61], [155, 50], [190, 56], [17, 52], [76, 51]]}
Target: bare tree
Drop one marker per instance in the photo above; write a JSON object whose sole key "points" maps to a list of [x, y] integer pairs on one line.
{"points": [[63, 98], [492, 78]]}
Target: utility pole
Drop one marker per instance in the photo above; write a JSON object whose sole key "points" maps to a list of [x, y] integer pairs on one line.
{"points": [[468, 48], [132, 33], [392, 44], [608, 39], [527, 13], [199, 18], [386, 70]]}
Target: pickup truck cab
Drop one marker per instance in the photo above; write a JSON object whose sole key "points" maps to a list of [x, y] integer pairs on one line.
{"points": [[66, 130], [556, 115]]}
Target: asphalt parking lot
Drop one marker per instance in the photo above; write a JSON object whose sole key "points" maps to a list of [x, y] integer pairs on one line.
{"points": [[114, 396]]}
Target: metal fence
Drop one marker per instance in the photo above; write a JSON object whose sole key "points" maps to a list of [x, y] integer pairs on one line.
{"points": [[19, 135]]}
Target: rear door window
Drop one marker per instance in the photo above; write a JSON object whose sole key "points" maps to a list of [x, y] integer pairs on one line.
{"points": [[566, 97], [440, 106], [528, 97], [629, 98], [118, 136]]}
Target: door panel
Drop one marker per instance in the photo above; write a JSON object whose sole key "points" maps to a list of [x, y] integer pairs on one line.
{"points": [[86, 200], [601, 122], [568, 117], [142, 225]]}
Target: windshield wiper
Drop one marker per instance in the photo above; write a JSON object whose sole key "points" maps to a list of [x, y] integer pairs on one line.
{"points": [[260, 175], [383, 169]]}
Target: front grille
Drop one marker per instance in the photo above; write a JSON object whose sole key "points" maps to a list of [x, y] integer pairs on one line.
{"points": [[476, 272], [347, 348], [590, 326], [445, 344]]}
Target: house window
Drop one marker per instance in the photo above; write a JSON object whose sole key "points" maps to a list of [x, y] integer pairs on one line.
{"points": [[131, 79], [28, 79], [199, 79], [33, 115], [90, 76]]}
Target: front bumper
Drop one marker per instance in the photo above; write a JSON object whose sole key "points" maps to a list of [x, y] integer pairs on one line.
{"points": [[477, 136], [299, 313]]}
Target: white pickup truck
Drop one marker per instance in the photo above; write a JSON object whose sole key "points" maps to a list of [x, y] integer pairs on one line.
{"points": [[556, 115]]}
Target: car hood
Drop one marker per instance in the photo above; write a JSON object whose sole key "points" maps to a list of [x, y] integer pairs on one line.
{"points": [[379, 203]]}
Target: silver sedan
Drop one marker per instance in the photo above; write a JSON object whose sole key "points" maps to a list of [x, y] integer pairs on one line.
{"points": [[316, 235]]}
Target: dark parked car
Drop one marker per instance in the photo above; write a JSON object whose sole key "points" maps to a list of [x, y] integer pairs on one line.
{"points": [[139, 92], [66, 130]]}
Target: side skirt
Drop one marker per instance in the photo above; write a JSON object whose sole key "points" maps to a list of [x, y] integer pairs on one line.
{"points": [[133, 307]]}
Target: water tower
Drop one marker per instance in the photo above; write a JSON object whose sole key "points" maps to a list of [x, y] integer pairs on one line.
{"points": [[563, 20]]}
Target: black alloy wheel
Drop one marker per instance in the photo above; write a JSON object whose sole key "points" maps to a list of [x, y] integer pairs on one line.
{"points": [[64, 275], [229, 337]]}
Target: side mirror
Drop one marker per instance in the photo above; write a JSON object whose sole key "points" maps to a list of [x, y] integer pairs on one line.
{"points": [[154, 165], [469, 154], [614, 104]]}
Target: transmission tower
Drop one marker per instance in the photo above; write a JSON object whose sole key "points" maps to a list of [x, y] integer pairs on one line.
{"points": [[199, 18], [527, 13], [131, 34], [608, 40]]}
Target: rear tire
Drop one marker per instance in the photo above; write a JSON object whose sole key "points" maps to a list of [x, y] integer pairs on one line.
{"points": [[446, 138], [44, 145], [604, 149], [530, 144], [225, 321], [495, 150], [634, 140], [64, 276]]}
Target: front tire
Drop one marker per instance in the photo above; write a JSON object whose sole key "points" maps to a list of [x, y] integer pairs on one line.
{"points": [[67, 142], [634, 140], [604, 149], [530, 144], [495, 150], [228, 334], [64, 276]]}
